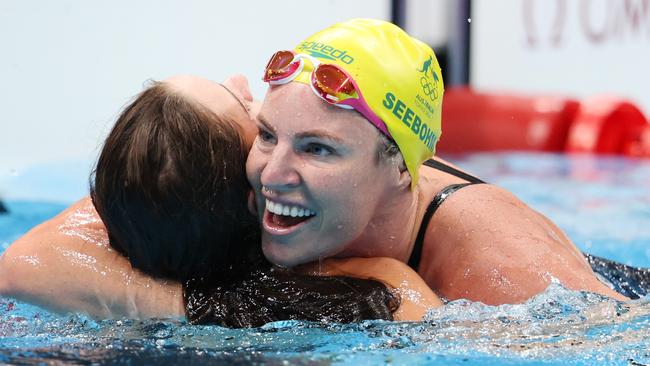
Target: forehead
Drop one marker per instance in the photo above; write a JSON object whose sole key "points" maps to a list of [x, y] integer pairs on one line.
{"points": [[207, 92], [294, 108]]}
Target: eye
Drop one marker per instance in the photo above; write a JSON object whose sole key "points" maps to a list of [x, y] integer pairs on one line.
{"points": [[265, 136], [319, 149]]}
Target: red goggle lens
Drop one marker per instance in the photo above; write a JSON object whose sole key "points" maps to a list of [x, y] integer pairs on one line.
{"points": [[332, 80], [279, 65]]}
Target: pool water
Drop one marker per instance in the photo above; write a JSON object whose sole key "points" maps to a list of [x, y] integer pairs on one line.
{"points": [[602, 203]]}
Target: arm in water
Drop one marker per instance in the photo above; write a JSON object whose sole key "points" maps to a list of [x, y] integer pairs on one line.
{"points": [[66, 265], [416, 298]]}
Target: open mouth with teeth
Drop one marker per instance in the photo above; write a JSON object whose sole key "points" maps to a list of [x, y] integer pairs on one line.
{"points": [[284, 216]]}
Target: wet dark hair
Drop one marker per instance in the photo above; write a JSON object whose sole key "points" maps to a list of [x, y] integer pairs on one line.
{"points": [[272, 294], [170, 186]]}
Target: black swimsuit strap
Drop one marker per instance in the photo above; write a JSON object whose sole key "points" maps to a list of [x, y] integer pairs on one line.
{"points": [[416, 254], [451, 170]]}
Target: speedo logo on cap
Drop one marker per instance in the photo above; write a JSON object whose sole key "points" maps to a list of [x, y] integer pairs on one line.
{"points": [[322, 50]]}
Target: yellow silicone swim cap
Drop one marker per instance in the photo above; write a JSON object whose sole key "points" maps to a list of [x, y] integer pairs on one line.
{"points": [[399, 77]]}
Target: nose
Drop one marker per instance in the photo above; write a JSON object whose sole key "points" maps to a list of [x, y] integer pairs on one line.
{"points": [[281, 173], [239, 84], [255, 107]]}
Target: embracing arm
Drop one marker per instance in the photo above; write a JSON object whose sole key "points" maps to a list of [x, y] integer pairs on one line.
{"points": [[65, 264], [415, 296]]}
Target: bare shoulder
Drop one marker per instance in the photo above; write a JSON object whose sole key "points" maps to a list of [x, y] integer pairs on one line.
{"points": [[66, 264], [80, 215], [487, 245], [73, 228], [33, 262]]}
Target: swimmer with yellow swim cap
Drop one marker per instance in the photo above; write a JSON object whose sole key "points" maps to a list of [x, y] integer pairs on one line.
{"points": [[343, 166], [393, 80]]}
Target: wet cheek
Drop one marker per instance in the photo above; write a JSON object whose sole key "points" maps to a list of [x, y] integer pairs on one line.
{"points": [[355, 205], [336, 181], [343, 214], [252, 170]]}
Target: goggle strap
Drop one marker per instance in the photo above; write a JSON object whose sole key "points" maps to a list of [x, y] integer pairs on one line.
{"points": [[362, 107]]}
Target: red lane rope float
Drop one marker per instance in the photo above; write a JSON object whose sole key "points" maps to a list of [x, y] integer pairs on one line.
{"points": [[475, 121], [609, 125], [641, 147]]}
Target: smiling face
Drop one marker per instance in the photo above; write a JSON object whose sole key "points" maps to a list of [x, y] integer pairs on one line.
{"points": [[316, 176]]}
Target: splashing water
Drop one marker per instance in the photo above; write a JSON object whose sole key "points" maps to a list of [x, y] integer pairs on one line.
{"points": [[558, 326]]}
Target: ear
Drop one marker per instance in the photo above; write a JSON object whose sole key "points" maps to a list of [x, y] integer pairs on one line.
{"points": [[252, 207], [405, 179]]}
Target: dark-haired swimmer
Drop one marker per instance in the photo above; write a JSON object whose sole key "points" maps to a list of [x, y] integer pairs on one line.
{"points": [[169, 205], [364, 178]]}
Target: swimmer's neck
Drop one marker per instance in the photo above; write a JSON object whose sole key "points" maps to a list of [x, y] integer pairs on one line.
{"points": [[392, 230]]}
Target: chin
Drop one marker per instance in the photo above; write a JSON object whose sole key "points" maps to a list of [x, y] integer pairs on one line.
{"points": [[280, 255]]}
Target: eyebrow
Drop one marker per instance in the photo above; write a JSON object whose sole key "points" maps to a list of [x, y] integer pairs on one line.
{"points": [[319, 134], [262, 120]]}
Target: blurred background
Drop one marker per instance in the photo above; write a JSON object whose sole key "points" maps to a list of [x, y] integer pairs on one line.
{"points": [[555, 75]]}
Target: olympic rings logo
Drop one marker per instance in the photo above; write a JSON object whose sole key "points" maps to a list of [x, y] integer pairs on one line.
{"points": [[429, 88]]}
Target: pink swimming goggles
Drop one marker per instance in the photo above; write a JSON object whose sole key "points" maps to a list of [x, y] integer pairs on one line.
{"points": [[328, 81]]}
